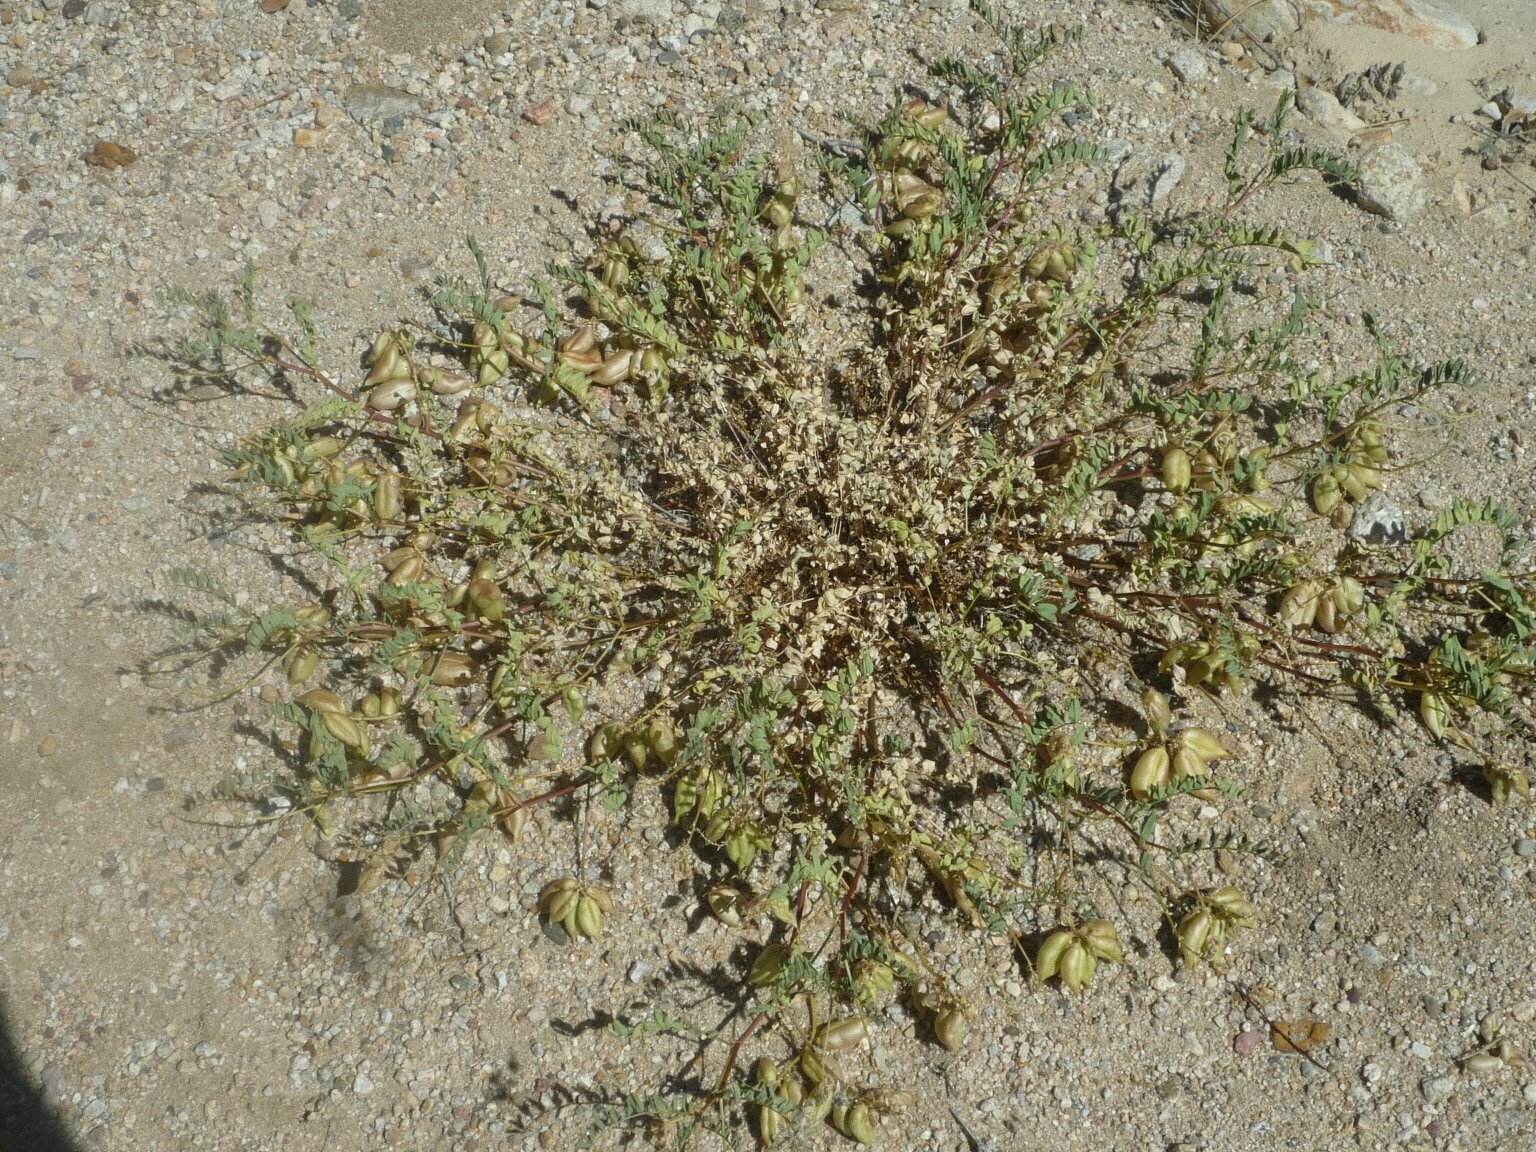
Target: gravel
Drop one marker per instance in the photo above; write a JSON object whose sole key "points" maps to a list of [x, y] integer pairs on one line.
{"points": [[175, 976]]}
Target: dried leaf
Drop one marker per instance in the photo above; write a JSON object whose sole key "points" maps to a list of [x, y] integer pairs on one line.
{"points": [[1298, 1036]]}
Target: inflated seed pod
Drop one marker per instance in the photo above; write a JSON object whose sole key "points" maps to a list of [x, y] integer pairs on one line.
{"points": [[1048, 958], [769, 964], [725, 902], [300, 664], [382, 343], [1348, 596], [1076, 967], [661, 739], [1193, 933], [388, 498], [1298, 607], [486, 601], [949, 1027], [1102, 940], [451, 669], [321, 700], [840, 1035], [389, 367], [616, 368], [345, 729], [1204, 743], [1185, 764], [1150, 771], [408, 570], [1327, 494], [580, 342], [1327, 616], [1176, 469], [1435, 711], [448, 383], [392, 395]]}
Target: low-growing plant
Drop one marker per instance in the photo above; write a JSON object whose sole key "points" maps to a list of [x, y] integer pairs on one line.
{"points": [[855, 572]]}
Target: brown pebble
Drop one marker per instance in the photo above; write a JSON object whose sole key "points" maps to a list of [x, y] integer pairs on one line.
{"points": [[109, 155], [49, 746], [542, 113], [273, 5], [20, 76], [307, 137]]}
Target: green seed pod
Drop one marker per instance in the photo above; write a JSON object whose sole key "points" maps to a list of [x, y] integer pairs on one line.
{"points": [[1229, 905], [1159, 714], [388, 368], [323, 701], [382, 343], [1048, 959], [387, 501], [589, 918], [1298, 607], [923, 205], [769, 1124], [1352, 481], [1151, 771], [347, 730], [1328, 618], [777, 213], [873, 979], [949, 1027], [1505, 783], [1193, 933], [486, 601], [1327, 494], [725, 902], [636, 749], [1102, 940], [855, 1122], [661, 738], [1185, 764], [1435, 711], [1076, 967], [452, 670], [766, 1072], [1348, 596], [768, 966], [369, 706], [840, 1035], [300, 664], [813, 1065], [1203, 743]]}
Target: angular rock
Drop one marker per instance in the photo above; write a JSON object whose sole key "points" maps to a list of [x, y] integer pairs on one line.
{"points": [[1432, 24], [1391, 183], [1323, 109], [378, 102]]}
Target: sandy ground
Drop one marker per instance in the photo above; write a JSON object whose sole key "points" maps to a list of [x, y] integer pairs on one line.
{"points": [[170, 979]]}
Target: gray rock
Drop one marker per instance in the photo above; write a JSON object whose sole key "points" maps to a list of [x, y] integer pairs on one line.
{"points": [[1379, 521], [656, 12], [1432, 24], [1437, 1088], [378, 102], [1323, 109], [1391, 183], [1189, 65]]}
